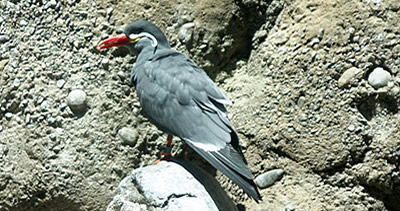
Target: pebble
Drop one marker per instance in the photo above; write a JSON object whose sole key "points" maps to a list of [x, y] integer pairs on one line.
{"points": [[303, 117], [17, 82], [321, 33], [185, 34], [60, 83], [8, 115], [52, 3], [314, 41], [351, 128], [1, 128], [60, 22], [3, 38], [53, 136], [128, 135], [348, 76], [44, 106], [110, 11], [3, 64], [268, 178], [379, 77], [105, 62], [28, 118], [76, 100], [23, 22]]}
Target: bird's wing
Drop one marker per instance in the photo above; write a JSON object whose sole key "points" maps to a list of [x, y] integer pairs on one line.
{"points": [[180, 99]]}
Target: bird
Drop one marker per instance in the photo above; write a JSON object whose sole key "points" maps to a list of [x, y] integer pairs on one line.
{"points": [[180, 99]]}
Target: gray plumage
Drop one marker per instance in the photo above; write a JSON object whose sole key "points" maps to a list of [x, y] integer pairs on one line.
{"points": [[180, 99]]}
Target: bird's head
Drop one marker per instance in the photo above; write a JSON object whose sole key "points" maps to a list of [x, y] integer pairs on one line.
{"points": [[137, 36]]}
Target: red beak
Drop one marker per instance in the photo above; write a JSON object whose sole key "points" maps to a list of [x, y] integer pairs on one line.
{"points": [[118, 40]]}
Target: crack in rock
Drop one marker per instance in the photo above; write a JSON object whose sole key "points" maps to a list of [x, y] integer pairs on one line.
{"points": [[175, 196]]}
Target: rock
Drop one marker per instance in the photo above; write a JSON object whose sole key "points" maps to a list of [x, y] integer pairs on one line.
{"points": [[170, 185], [185, 34], [60, 83], [8, 115], [3, 64], [379, 77], [76, 100], [128, 135], [268, 178], [348, 76], [110, 11], [3, 38], [23, 23], [301, 101]]}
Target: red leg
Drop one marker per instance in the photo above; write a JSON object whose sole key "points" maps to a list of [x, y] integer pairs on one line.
{"points": [[165, 153]]}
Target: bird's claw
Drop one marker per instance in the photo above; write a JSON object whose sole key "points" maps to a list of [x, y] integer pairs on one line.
{"points": [[165, 155]]}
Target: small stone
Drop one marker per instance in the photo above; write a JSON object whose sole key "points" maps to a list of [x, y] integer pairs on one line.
{"points": [[8, 115], [303, 117], [3, 38], [76, 100], [314, 41], [128, 135], [28, 118], [60, 22], [351, 128], [3, 64], [379, 77], [44, 106], [289, 207], [23, 23], [348, 76], [1, 128], [17, 82], [53, 136], [84, 14], [5, 149], [52, 3], [60, 83], [110, 11], [268, 178], [105, 62], [88, 35], [321, 33], [185, 34]]}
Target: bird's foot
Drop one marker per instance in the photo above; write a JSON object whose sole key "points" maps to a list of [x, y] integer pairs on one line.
{"points": [[165, 155]]}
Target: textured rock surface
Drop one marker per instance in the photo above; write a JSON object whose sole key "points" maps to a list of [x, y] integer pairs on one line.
{"points": [[279, 61], [171, 186]]}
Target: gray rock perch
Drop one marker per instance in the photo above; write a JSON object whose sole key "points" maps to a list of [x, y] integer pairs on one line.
{"points": [[170, 185]]}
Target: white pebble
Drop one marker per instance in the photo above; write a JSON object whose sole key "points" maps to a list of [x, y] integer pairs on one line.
{"points": [[128, 135], [379, 77], [268, 178], [77, 100]]}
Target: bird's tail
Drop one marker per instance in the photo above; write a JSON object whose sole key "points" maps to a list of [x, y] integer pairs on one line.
{"points": [[233, 165]]}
